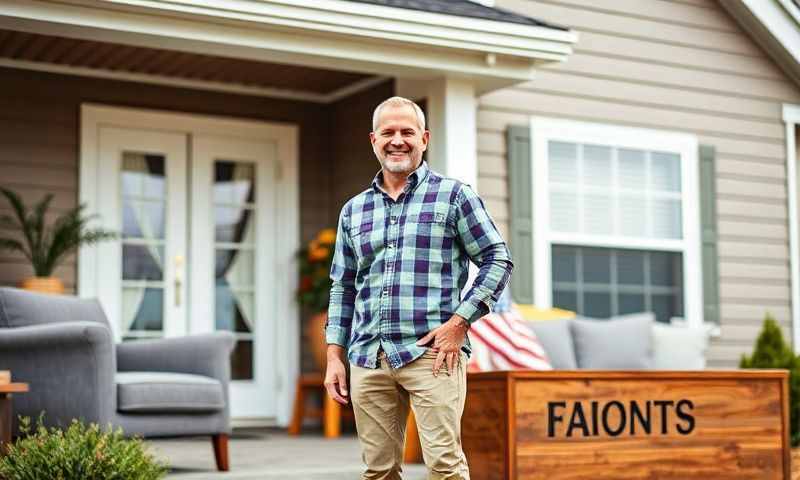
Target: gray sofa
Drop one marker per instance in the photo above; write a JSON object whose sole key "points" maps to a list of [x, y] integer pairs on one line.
{"points": [[626, 342], [63, 347]]}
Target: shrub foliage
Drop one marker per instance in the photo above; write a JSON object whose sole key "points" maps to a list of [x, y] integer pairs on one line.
{"points": [[78, 453], [773, 352]]}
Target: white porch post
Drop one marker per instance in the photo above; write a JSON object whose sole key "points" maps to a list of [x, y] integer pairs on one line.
{"points": [[451, 118]]}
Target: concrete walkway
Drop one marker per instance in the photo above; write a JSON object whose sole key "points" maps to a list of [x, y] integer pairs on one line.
{"points": [[267, 453]]}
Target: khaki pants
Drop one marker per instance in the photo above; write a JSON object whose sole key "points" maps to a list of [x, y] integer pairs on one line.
{"points": [[381, 398]]}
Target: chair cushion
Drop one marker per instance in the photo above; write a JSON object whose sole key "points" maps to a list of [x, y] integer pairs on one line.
{"points": [[556, 339], [21, 308], [163, 392], [619, 343]]}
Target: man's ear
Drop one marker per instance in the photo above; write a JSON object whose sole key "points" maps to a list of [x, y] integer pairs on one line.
{"points": [[372, 138], [426, 137]]}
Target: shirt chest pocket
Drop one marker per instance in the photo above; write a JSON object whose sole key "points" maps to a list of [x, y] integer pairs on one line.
{"points": [[367, 239], [430, 227]]}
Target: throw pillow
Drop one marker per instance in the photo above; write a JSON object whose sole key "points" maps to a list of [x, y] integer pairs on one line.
{"points": [[679, 347], [618, 343], [556, 338]]}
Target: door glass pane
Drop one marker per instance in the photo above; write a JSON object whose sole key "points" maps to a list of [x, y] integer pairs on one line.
{"points": [[143, 204], [233, 182], [142, 262], [234, 262], [142, 311]]}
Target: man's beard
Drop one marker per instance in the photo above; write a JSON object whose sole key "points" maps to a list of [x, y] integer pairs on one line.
{"points": [[405, 166]]}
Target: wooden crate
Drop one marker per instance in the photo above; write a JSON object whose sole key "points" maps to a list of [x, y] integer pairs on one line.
{"points": [[588, 424]]}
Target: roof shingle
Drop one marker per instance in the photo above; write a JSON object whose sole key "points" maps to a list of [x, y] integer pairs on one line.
{"points": [[464, 8]]}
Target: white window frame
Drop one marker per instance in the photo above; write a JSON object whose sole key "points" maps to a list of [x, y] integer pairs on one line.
{"points": [[544, 130]]}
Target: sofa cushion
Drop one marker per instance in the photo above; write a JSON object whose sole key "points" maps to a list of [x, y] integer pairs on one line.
{"points": [[679, 347], [556, 339], [618, 343], [21, 308], [163, 392]]}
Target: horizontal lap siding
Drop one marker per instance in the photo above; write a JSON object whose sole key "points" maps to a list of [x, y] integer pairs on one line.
{"points": [[673, 66]]}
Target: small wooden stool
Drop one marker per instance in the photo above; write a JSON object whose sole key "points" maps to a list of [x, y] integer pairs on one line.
{"points": [[331, 412]]}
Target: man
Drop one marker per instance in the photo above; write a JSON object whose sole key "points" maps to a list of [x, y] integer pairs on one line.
{"points": [[402, 252]]}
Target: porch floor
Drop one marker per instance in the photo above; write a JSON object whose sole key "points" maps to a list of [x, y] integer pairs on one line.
{"points": [[267, 453]]}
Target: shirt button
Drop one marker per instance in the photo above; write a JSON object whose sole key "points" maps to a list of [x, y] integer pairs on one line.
{"points": [[393, 220]]}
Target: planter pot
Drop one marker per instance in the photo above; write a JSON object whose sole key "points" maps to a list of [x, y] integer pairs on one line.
{"points": [[43, 285], [315, 333]]}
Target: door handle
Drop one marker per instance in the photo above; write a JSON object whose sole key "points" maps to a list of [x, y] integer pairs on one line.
{"points": [[178, 279]]}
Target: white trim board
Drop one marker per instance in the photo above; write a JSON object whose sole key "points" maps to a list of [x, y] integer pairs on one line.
{"points": [[300, 95], [288, 213], [545, 129], [333, 34], [791, 116]]}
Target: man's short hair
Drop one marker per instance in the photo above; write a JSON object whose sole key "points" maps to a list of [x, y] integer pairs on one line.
{"points": [[398, 102]]}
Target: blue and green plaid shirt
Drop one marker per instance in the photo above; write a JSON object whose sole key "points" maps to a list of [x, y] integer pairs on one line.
{"points": [[400, 266]]}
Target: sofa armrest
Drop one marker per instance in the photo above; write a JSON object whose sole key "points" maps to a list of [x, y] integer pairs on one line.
{"points": [[205, 354], [70, 369]]}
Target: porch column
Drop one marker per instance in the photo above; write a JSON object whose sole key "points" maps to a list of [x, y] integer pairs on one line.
{"points": [[451, 118]]}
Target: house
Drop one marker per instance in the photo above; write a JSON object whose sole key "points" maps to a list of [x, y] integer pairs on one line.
{"points": [[637, 154]]}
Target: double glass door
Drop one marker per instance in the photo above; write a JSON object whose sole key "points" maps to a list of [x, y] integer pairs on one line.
{"points": [[196, 217]]}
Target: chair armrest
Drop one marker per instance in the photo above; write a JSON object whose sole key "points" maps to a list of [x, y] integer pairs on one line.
{"points": [[70, 369], [205, 354]]}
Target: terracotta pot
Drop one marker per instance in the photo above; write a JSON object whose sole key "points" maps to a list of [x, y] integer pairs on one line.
{"points": [[43, 285], [315, 333]]}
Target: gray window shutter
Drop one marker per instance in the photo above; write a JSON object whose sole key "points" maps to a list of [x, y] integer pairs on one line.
{"points": [[708, 229], [521, 189]]}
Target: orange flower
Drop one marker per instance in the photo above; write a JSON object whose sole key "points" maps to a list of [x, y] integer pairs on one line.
{"points": [[327, 236], [319, 253]]}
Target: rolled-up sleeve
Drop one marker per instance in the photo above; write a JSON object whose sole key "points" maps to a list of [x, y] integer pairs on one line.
{"points": [[485, 246], [343, 292]]}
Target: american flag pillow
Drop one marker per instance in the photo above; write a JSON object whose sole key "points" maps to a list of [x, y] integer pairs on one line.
{"points": [[502, 341]]}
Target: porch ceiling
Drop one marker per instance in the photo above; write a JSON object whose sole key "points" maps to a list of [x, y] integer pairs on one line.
{"points": [[113, 57]]}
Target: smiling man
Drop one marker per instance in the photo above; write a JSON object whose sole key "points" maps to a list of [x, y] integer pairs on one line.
{"points": [[403, 249]]}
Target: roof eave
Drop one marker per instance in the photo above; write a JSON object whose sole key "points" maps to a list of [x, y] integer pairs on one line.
{"points": [[331, 34]]}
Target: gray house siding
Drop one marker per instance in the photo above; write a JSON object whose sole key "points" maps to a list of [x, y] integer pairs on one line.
{"points": [[677, 66]]}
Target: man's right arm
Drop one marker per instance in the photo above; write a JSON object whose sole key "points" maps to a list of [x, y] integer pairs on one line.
{"points": [[341, 308]]}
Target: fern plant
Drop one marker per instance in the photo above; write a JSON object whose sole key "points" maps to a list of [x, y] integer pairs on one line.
{"points": [[45, 246]]}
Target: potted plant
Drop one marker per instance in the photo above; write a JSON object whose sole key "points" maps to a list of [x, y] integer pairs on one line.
{"points": [[314, 289], [77, 452], [46, 246]]}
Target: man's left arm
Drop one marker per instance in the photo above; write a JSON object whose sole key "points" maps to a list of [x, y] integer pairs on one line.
{"points": [[485, 246]]}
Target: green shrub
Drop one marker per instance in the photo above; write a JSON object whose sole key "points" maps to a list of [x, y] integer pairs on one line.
{"points": [[773, 352], [77, 453]]}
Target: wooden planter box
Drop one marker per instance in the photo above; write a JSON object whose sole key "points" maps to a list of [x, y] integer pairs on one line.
{"points": [[619, 425]]}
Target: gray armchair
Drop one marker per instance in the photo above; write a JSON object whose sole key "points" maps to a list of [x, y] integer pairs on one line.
{"points": [[63, 347]]}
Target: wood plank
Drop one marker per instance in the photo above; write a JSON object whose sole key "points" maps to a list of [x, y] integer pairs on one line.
{"points": [[754, 291], [753, 313], [751, 187], [486, 412], [749, 208], [732, 270]]}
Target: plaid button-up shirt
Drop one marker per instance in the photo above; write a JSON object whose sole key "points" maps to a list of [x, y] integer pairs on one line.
{"points": [[400, 266]]}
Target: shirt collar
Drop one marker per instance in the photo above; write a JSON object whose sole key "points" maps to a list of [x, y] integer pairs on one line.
{"points": [[414, 178]]}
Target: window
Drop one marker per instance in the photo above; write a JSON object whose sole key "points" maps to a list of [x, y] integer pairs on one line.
{"points": [[616, 220]]}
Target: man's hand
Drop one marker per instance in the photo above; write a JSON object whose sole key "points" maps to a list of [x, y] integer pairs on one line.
{"points": [[447, 341], [335, 375]]}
